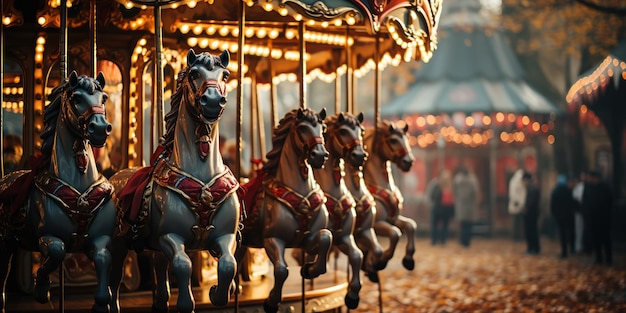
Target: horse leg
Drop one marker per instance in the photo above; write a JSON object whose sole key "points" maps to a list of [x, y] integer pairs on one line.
{"points": [[161, 293], [6, 255], [102, 264], [408, 227], [385, 229], [347, 245], [319, 246], [173, 246], [118, 256], [275, 249], [368, 243], [226, 270], [53, 252]]}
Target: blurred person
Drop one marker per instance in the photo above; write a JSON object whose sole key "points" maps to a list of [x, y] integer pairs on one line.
{"points": [[465, 191], [577, 194], [598, 202], [439, 191], [531, 215], [586, 242], [562, 207], [517, 196]]}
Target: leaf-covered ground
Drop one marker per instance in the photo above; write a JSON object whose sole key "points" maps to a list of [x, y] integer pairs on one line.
{"points": [[493, 275]]}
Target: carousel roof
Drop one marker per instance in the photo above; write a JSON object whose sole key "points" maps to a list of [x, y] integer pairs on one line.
{"points": [[474, 70], [407, 30]]}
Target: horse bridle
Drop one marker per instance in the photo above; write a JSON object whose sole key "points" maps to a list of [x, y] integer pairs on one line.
{"points": [[348, 146], [307, 145], [395, 155], [69, 116], [220, 86]]}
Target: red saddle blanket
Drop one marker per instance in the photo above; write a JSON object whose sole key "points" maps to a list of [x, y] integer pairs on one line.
{"points": [[15, 195]]}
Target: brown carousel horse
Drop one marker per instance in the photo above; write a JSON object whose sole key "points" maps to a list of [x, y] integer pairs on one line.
{"points": [[364, 233], [62, 204], [285, 205], [186, 200], [343, 140], [388, 144]]}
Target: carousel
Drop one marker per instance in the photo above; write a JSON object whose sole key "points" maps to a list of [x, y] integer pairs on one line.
{"points": [[116, 184]]}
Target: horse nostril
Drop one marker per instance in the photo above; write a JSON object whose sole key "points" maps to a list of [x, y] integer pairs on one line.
{"points": [[204, 100], [223, 101], [91, 127]]}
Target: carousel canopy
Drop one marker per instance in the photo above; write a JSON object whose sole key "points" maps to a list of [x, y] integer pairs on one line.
{"points": [[474, 70]]}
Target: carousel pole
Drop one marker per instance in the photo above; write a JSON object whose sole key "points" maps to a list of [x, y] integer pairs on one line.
{"points": [[377, 85], [254, 110], [92, 38], [302, 74], [157, 113], [238, 143], [63, 66], [348, 71], [2, 93], [302, 68], [273, 93]]}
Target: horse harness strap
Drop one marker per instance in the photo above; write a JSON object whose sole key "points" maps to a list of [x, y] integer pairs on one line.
{"points": [[80, 207], [391, 198], [203, 198], [338, 208], [363, 206], [302, 206]]}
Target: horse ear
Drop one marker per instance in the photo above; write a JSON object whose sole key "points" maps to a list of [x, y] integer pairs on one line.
{"points": [[225, 58], [323, 114], [406, 128], [341, 118], [100, 80], [360, 117], [391, 127], [73, 79], [191, 57], [300, 113]]}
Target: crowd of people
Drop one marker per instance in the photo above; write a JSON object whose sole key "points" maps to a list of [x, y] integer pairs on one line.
{"points": [[581, 207]]}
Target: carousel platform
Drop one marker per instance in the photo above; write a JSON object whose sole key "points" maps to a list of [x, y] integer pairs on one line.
{"points": [[323, 294]]}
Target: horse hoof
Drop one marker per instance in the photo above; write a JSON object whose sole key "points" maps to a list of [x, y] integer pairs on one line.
{"points": [[351, 302], [305, 271], [268, 308], [379, 266], [373, 277], [42, 291], [216, 300], [408, 263], [159, 310], [100, 309]]}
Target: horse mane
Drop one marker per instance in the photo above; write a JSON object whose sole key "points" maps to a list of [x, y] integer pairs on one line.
{"points": [[280, 134], [332, 123], [60, 93], [184, 93]]}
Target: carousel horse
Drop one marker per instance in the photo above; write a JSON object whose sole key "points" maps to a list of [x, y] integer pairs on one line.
{"points": [[284, 204], [364, 233], [388, 144], [343, 141], [61, 205], [186, 200]]}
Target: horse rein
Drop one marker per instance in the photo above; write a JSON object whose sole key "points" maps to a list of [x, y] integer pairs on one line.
{"points": [[80, 129]]}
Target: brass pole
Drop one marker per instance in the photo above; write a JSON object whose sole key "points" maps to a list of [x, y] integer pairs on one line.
{"points": [[92, 39], [273, 93], [2, 96], [240, 77], [348, 77], [302, 46], [158, 68]]}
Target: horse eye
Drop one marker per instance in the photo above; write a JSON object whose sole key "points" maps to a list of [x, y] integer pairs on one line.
{"points": [[104, 98], [225, 74]]}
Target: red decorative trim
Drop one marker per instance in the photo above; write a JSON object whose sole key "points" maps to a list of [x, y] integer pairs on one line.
{"points": [[390, 198], [302, 206], [338, 208]]}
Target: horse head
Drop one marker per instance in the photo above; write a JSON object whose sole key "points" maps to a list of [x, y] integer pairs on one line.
{"points": [[207, 76], [309, 131], [344, 138], [84, 111], [393, 145]]}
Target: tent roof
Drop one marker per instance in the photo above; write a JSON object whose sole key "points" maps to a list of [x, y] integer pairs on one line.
{"points": [[473, 70]]}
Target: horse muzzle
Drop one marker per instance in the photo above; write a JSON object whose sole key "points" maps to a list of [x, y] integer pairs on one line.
{"points": [[97, 130], [318, 156], [211, 104], [405, 163], [356, 157]]}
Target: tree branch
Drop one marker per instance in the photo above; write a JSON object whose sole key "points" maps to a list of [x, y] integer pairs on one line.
{"points": [[601, 8]]}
